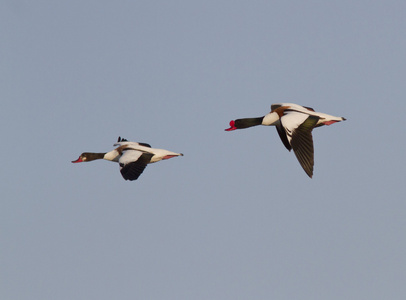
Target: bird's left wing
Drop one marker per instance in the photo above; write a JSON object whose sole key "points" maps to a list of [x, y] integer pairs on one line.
{"points": [[298, 127], [133, 162]]}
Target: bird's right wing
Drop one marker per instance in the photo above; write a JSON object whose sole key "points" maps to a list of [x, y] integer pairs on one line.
{"points": [[132, 144]]}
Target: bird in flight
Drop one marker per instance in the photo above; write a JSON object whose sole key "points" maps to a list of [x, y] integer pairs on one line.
{"points": [[132, 157], [294, 124]]}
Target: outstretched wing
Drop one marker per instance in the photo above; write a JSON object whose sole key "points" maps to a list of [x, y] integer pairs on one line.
{"points": [[298, 128], [132, 163]]}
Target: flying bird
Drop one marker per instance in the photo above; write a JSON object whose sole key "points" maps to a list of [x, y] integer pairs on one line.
{"points": [[132, 157], [294, 124]]}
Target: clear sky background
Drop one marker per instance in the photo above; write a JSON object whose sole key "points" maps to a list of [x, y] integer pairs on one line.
{"points": [[236, 217]]}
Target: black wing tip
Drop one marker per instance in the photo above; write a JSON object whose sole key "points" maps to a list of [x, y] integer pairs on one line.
{"points": [[130, 178], [121, 140], [131, 174], [133, 170]]}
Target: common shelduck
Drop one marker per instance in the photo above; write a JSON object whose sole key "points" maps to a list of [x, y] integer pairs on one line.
{"points": [[294, 124], [132, 157]]}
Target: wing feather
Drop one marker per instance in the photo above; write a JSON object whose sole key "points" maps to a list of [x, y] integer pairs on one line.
{"points": [[302, 144], [282, 134], [133, 163]]}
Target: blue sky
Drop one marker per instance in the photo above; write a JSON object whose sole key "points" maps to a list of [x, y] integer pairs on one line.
{"points": [[236, 217]]}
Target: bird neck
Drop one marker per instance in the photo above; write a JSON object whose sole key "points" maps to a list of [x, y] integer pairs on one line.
{"points": [[93, 156], [248, 122]]}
